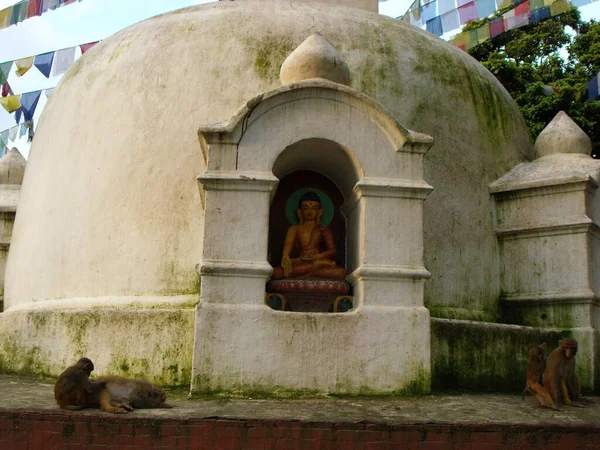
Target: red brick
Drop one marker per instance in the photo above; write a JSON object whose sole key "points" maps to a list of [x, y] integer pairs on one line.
{"points": [[286, 444], [258, 433], [487, 437], [40, 426], [407, 436], [378, 446], [438, 436], [434, 446], [321, 434]]}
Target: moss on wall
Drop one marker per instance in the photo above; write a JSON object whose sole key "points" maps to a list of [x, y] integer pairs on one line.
{"points": [[476, 356], [270, 53]]}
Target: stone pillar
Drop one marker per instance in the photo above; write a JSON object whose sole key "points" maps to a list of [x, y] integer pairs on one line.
{"points": [[12, 170], [547, 218]]}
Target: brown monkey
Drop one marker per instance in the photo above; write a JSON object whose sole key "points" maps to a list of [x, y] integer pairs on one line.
{"points": [[560, 379], [74, 387], [121, 395], [535, 369]]}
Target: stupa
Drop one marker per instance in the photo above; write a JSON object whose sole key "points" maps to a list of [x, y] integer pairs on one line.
{"points": [[147, 228]]}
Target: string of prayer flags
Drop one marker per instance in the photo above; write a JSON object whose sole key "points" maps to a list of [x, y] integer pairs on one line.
{"points": [[23, 65], [11, 103], [27, 9], [43, 63]]}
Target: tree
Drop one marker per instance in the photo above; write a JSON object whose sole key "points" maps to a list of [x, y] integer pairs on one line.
{"points": [[546, 67]]}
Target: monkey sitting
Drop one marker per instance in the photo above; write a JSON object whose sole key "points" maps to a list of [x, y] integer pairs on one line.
{"points": [[74, 388], [560, 379], [535, 369], [121, 395]]}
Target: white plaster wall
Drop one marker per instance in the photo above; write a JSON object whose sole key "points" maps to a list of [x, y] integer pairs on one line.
{"points": [[112, 171]]}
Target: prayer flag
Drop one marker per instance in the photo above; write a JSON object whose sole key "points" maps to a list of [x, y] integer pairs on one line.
{"points": [[446, 5], [460, 3], [19, 12], [11, 103], [6, 90], [536, 4], [12, 133], [522, 8], [594, 88], [63, 59], [467, 13], [3, 140], [5, 16], [434, 26], [450, 21], [43, 63], [86, 47], [23, 130], [503, 3], [496, 27], [4, 71], [429, 11], [49, 4], [560, 7], [35, 8], [540, 14], [23, 65], [508, 14], [472, 39], [29, 102], [415, 16], [485, 8], [49, 92], [483, 33], [517, 21]]}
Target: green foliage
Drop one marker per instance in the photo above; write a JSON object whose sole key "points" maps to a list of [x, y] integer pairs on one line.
{"points": [[546, 67]]}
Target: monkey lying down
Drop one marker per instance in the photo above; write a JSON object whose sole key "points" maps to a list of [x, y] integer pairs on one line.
{"points": [[74, 391]]}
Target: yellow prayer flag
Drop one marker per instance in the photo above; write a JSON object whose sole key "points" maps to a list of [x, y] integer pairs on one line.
{"points": [[483, 33], [23, 65], [5, 16], [504, 3], [11, 103], [559, 7], [461, 39], [548, 2]]}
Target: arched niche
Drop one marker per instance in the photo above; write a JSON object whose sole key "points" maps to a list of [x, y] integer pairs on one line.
{"points": [[378, 166]]}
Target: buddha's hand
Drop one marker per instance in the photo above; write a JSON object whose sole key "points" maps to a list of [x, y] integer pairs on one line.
{"points": [[316, 257], [324, 262], [286, 265]]}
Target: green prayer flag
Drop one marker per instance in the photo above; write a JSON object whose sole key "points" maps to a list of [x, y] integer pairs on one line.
{"points": [[4, 71], [19, 12], [3, 140], [536, 4]]}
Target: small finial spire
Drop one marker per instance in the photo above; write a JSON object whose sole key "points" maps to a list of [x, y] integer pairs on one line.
{"points": [[314, 58], [562, 135]]}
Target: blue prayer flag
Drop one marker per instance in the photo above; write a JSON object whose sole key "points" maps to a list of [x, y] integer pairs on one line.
{"points": [[539, 14], [44, 63], [434, 26], [29, 102]]}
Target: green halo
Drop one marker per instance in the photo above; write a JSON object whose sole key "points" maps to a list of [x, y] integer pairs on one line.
{"points": [[292, 204]]}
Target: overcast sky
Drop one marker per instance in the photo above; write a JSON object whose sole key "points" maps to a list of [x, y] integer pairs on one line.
{"points": [[93, 20]]}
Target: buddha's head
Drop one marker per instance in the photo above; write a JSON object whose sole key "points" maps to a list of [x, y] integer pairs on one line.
{"points": [[309, 207]]}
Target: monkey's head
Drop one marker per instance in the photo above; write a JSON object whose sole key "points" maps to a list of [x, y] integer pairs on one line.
{"points": [[158, 393], [86, 365], [568, 347]]}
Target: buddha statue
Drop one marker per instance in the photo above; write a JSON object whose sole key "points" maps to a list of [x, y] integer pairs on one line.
{"points": [[311, 244]]}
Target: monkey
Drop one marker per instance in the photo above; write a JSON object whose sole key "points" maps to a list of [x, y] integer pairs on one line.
{"points": [[121, 395], [535, 369], [560, 379], [74, 387]]}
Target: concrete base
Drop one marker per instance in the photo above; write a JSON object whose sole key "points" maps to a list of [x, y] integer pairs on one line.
{"points": [[134, 337], [255, 349]]}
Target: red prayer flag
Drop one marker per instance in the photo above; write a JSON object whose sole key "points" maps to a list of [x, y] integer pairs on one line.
{"points": [[34, 9], [6, 90], [496, 27], [522, 8], [86, 47]]}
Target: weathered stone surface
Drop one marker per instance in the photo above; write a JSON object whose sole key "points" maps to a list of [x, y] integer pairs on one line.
{"points": [[562, 135], [12, 167], [315, 58]]}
